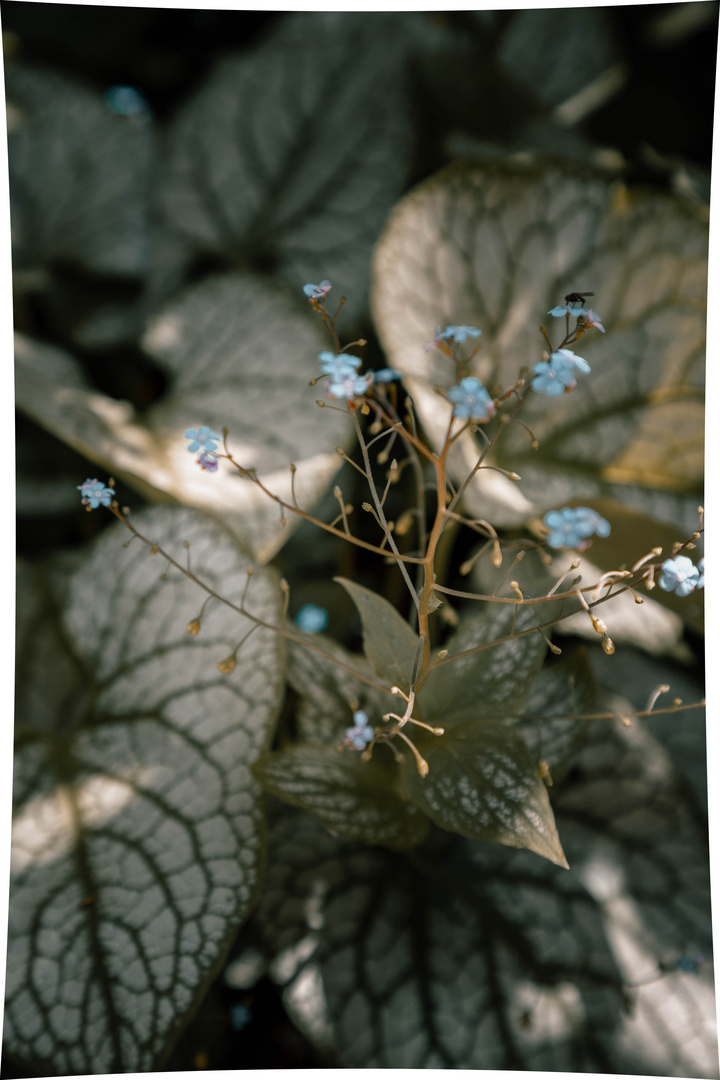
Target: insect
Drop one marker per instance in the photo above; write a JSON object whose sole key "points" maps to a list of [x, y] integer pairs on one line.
{"points": [[578, 298]]}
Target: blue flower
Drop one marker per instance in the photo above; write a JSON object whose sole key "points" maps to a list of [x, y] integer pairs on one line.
{"points": [[471, 399], [700, 584], [347, 386], [208, 462], [338, 365], [386, 374], [568, 309], [311, 618], [202, 438], [593, 319], [571, 527], [362, 733], [316, 292], [556, 375], [689, 964], [458, 334], [94, 494], [678, 575]]}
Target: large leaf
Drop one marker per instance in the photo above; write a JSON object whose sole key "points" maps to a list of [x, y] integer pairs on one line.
{"points": [[138, 825], [389, 642], [497, 246], [351, 797], [80, 177], [238, 356], [474, 956], [482, 783], [293, 155]]}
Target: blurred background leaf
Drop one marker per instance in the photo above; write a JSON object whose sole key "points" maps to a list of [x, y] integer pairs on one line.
{"points": [[497, 246]]}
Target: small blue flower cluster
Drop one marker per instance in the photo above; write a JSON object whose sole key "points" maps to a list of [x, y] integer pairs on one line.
{"points": [[205, 440], [471, 400], [94, 494], [556, 375], [572, 527], [680, 576], [362, 733], [344, 379]]}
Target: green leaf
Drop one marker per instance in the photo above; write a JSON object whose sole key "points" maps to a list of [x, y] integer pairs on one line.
{"points": [[138, 830], [80, 177], [349, 796], [494, 680], [476, 956], [417, 963], [482, 783], [497, 246], [225, 368], [329, 693], [389, 642], [548, 721], [293, 154]]}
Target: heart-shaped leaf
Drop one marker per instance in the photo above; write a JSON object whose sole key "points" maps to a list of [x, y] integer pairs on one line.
{"points": [[238, 356], [138, 825], [474, 956], [389, 642], [419, 964], [497, 246], [293, 155], [80, 177], [482, 783], [354, 798]]}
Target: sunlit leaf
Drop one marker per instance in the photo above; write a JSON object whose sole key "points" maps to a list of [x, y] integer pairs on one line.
{"points": [[389, 643], [80, 176], [351, 797], [497, 247], [482, 783], [237, 356], [290, 157], [138, 825]]}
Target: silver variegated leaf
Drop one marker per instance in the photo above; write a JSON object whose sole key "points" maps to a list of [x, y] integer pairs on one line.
{"points": [[497, 246], [238, 355], [138, 827]]}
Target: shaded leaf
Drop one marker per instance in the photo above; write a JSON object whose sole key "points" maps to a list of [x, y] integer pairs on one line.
{"points": [[238, 356], [395, 963], [547, 50], [348, 796], [138, 825], [330, 694], [482, 783], [497, 247], [548, 722], [476, 956], [389, 642], [493, 681], [80, 176], [293, 155]]}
